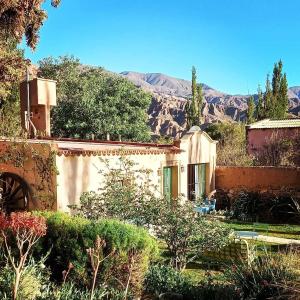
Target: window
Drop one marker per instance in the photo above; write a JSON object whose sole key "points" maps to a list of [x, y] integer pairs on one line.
{"points": [[196, 181]]}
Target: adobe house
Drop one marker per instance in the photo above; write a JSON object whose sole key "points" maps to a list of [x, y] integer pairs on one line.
{"points": [[260, 133], [44, 172]]}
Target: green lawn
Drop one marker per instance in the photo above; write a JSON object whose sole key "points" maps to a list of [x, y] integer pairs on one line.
{"points": [[199, 272], [283, 231]]}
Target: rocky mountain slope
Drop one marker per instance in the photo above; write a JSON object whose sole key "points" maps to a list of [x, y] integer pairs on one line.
{"points": [[166, 113]]}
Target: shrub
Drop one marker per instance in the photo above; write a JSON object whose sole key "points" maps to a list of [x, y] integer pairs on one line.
{"points": [[187, 234], [265, 278], [126, 193], [164, 280], [69, 237], [266, 207], [247, 206], [20, 232]]}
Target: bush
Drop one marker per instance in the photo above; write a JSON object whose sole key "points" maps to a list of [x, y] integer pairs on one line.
{"points": [[187, 234], [70, 237], [127, 193], [267, 277], [266, 207], [163, 280], [247, 206]]}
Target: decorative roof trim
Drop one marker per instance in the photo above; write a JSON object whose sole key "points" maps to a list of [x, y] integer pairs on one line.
{"points": [[114, 152], [125, 143]]}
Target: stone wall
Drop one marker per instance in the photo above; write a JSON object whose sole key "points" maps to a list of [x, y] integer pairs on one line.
{"points": [[274, 180]]}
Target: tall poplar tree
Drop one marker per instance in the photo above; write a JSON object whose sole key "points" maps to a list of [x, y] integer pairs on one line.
{"points": [[250, 110], [199, 103], [260, 109], [275, 99], [283, 99], [268, 101], [193, 107]]}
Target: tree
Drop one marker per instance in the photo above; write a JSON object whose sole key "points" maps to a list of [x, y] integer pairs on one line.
{"points": [[18, 19], [199, 102], [283, 99], [260, 109], [268, 101], [94, 102], [231, 149], [250, 110], [22, 18], [193, 107], [274, 104]]}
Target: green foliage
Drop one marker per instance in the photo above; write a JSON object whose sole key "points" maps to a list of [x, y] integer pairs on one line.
{"points": [[247, 206], [20, 20], [169, 283], [260, 104], [267, 277], [274, 103], [12, 67], [93, 102], [10, 125], [69, 237], [251, 110], [188, 235], [6, 281], [162, 279], [231, 149], [68, 291], [193, 108], [34, 281], [266, 207], [127, 193]]}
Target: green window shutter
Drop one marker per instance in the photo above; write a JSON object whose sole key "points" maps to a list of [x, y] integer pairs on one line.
{"points": [[167, 183]]}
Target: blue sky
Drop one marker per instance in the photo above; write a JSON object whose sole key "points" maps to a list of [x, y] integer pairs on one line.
{"points": [[232, 43]]}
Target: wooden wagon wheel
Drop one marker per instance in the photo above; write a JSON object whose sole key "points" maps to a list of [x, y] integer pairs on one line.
{"points": [[14, 193]]}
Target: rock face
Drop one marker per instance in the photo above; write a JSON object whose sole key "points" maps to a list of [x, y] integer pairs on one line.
{"points": [[166, 113]]}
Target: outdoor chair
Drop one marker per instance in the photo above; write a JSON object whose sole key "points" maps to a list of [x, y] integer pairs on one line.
{"points": [[206, 207]]}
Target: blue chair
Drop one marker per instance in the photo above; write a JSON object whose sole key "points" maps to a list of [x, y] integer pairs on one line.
{"points": [[206, 207], [212, 205]]}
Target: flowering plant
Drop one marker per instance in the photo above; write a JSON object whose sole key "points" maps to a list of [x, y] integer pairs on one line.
{"points": [[26, 229]]}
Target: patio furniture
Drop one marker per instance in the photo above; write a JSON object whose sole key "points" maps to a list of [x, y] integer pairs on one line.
{"points": [[246, 234], [208, 206]]}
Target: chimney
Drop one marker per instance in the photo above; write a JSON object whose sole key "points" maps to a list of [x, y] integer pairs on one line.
{"points": [[42, 95]]}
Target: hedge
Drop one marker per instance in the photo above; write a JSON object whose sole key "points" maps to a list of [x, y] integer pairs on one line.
{"points": [[68, 237]]}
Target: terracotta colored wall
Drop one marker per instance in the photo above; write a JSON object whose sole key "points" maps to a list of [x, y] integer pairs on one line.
{"points": [[257, 178], [257, 138], [42, 184]]}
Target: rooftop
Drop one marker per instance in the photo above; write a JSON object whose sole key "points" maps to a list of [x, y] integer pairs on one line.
{"points": [[267, 123], [70, 146]]}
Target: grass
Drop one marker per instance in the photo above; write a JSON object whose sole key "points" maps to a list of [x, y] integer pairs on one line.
{"points": [[199, 271], [282, 231]]}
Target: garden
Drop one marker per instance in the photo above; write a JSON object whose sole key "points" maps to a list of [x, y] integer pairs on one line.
{"points": [[126, 243]]}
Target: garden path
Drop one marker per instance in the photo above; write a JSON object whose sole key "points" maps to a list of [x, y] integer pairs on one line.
{"points": [[272, 239]]}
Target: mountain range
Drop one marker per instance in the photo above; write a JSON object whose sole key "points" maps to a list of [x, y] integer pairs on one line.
{"points": [[170, 95]]}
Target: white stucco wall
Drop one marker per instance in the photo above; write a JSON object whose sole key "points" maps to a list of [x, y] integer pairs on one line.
{"points": [[78, 173]]}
